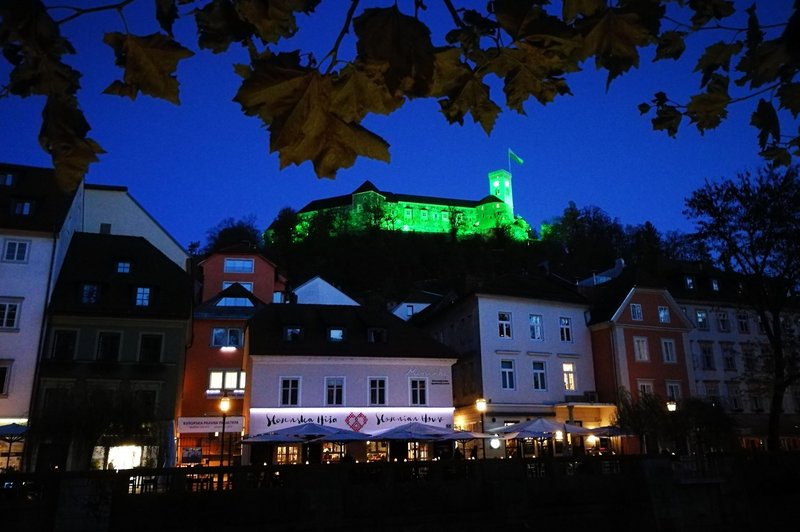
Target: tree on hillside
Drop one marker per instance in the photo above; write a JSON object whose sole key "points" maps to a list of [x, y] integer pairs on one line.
{"points": [[230, 232], [751, 225], [314, 108]]}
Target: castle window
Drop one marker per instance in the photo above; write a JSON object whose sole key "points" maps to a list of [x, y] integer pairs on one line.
{"points": [[409, 213], [424, 214]]}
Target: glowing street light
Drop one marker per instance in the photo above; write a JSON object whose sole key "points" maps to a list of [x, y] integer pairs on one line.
{"points": [[224, 406], [672, 406], [480, 406]]}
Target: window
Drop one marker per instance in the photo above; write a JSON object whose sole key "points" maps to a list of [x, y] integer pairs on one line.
{"points": [[150, 348], [507, 375], [21, 207], [226, 379], [123, 267], [5, 376], [423, 214], [142, 296], [409, 311], [689, 280], [335, 334], [636, 312], [239, 265], [145, 401], [377, 391], [6, 180], [565, 329], [419, 396], [715, 285], [668, 351], [64, 343], [743, 323], [377, 335], [734, 395], [225, 337], [539, 375], [9, 313], [701, 319], [673, 390], [663, 314], [334, 391], [292, 334], [246, 285], [290, 391], [537, 327], [108, 346], [105, 228], [504, 324], [723, 322], [408, 213], [569, 375], [16, 250], [234, 302], [728, 358], [755, 403], [707, 355], [89, 293], [645, 387], [641, 350]]}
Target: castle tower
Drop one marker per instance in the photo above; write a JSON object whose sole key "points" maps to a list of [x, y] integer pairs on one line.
{"points": [[500, 186]]}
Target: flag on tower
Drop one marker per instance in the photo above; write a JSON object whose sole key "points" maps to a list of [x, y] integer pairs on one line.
{"points": [[514, 157]]}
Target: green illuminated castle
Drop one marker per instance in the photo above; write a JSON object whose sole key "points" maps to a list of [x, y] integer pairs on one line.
{"points": [[370, 208]]}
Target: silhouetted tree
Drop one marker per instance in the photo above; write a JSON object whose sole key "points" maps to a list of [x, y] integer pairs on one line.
{"points": [[230, 232]]}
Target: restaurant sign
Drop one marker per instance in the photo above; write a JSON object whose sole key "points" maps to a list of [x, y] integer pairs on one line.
{"points": [[210, 424]]}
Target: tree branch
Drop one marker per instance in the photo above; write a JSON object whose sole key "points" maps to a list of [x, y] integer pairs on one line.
{"points": [[80, 11], [454, 13], [333, 54]]}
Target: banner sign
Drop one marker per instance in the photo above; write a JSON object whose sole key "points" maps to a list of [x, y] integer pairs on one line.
{"points": [[210, 424]]}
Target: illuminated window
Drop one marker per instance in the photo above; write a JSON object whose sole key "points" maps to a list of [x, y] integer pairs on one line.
{"points": [[537, 327], [222, 336], [504, 324], [16, 250], [715, 285], [334, 391], [335, 334], [701, 319], [226, 379], [292, 334], [668, 351], [9, 313], [539, 375], [123, 267], [641, 350], [377, 391], [108, 344], [507, 380], [636, 312], [689, 280], [663, 314], [290, 391], [21, 207], [142, 296], [568, 368], [89, 293], [565, 329], [239, 265], [419, 389], [234, 302], [6, 179]]}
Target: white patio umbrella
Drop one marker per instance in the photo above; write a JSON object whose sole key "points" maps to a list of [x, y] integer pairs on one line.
{"points": [[413, 431], [274, 438], [307, 430]]}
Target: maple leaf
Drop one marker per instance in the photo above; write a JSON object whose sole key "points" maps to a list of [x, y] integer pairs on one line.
{"points": [[613, 41], [789, 96], [765, 119], [705, 10], [166, 14], [461, 91], [357, 92], [149, 63], [398, 44], [273, 19], [573, 8], [296, 104], [218, 25], [671, 45], [707, 110], [715, 57], [668, 118], [765, 64], [63, 136]]}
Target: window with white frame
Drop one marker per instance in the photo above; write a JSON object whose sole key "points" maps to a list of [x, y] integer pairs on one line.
{"points": [[701, 319], [334, 391], [645, 387], [743, 323], [220, 380], [641, 349], [504, 324], [636, 312], [419, 392], [16, 250], [668, 351], [723, 321], [5, 376], [536, 323], [377, 391], [64, 343], [674, 390], [565, 328], [712, 391], [728, 357], [226, 337], [142, 296], [290, 391], [707, 355], [245, 284], [734, 395], [568, 369], [9, 313], [239, 265], [150, 346], [108, 344], [663, 315], [539, 375], [507, 381]]}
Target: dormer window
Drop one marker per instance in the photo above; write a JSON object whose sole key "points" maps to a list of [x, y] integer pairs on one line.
{"points": [[6, 179], [689, 282], [239, 265], [292, 334], [89, 293], [335, 334], [377, 335], [21, 207], [123, 267], [142, 296], [715, 285]]}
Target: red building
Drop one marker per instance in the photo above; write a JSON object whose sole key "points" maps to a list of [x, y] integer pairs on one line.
{"points": [[236, 284]]}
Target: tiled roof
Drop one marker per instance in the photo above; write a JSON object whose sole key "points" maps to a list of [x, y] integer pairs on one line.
{"points": [[92, 259], [267, 330], [49, 204]]}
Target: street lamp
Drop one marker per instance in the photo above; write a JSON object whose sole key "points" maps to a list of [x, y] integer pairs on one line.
{"points": [[672, 406], [480, 406], [224, 406]]}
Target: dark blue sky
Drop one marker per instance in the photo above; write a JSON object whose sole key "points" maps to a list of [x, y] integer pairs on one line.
{"points": [[192, 165]]}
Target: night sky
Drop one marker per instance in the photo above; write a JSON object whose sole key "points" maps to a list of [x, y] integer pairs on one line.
{"points": [[190, 166]]}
